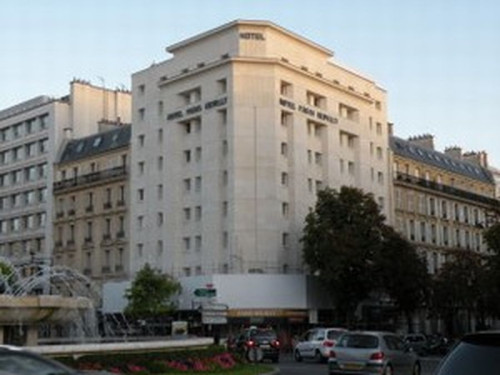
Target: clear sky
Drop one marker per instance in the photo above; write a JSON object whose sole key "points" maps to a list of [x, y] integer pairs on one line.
{"points": [[439, 60]]}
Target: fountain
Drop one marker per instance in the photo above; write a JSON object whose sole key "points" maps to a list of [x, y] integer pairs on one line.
{"points": [[39, 302]]}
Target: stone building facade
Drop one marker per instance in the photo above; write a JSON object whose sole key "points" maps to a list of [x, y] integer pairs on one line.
{"points": [[91, 198]]}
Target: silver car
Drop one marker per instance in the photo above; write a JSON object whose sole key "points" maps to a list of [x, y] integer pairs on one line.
{"points": [[372, 353], [317, 343]]}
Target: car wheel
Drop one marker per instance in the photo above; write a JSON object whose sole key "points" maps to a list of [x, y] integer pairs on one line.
{"points": [[297, 356], [416, 369], [388, 370]]}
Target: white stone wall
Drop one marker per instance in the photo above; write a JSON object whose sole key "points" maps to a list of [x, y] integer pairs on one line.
{"points": [[255, 234]]}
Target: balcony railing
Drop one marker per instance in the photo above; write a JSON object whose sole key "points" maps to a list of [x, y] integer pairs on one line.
{"points": [[71, 212], [447, 189], [87, 271], [106, 269], [120, 234], [91, 178], [89, 208], [107, 205], [119, 268], [120, 203]]}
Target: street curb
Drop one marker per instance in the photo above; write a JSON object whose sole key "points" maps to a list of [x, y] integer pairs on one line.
{"points": [[274, 372]]}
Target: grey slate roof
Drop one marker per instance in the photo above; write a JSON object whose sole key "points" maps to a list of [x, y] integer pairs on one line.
{"points": [[96, 144], [438, 159]]}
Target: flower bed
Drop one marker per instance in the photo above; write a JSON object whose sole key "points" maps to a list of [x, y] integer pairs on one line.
{"points": [[213, 360]]}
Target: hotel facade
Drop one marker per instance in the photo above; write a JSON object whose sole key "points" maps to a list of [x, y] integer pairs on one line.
{"points": [[232, 138]]}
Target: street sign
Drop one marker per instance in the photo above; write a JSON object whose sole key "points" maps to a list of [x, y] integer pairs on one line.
{"points": [[215, 313], [205, 292]]}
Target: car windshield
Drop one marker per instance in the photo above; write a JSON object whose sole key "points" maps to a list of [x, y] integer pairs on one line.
{"points": [[359, 341], [472, 359]]}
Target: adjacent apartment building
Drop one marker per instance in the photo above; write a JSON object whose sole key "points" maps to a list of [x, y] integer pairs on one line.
{"points": [[443, 201], [91, 204], [31, 135], [232, 138]]}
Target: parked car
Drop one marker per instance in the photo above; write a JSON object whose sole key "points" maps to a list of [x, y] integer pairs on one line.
{"points": [[417, 342], [317, 343], [372, 353], [259, 344], [17, 361], [475, 354]]}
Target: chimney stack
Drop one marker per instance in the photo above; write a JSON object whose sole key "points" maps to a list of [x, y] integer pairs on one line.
{"points": [[478, 158], [454, 152], [424, 140]]}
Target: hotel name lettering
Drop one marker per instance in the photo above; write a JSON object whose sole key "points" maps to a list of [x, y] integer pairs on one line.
{"points": [[252, 36], [197, 108], [308, 111]]}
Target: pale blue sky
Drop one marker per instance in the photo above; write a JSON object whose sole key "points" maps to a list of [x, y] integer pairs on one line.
{"points": [[438, 59]]}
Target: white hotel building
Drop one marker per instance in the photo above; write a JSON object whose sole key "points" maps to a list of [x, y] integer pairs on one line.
{"points": [[232, 138], [31, 134]]}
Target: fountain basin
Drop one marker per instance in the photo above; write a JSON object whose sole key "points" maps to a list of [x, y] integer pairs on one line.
{"points": [[43, 308]]}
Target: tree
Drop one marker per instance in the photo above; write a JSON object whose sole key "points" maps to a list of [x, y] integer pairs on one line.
{"points": [[341, 238], [458, 287], [150, 294], [492, 271], [403, 274]]}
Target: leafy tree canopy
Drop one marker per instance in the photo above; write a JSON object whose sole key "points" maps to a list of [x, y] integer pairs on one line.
{"points": [[150, 294], [341, 237]]}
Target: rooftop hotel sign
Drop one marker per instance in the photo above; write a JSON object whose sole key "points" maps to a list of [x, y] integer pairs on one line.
{"points": [[308, 111], [252, 36]]}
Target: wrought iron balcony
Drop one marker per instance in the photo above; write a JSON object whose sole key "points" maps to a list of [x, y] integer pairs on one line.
{"points": [[447, 189], [107, 205], [91, 178]]}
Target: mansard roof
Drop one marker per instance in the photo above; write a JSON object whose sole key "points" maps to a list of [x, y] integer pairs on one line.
{"points": [[96, 144], [438, 159]]}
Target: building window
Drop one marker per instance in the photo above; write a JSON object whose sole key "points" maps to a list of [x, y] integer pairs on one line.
{"points": [[316, 100], [348, 112], [284, 179], [319, 185], [318, 158], [197, 243], [187, 243], [224, 208], [286, 118], [285, 237], [197, 154], [187, 156], [286, 89], [160, 163], [284, 149], [225, 240], [187, 213], [285, 208], [222, 86], [159, 191], [140, 195], [187, 185], [380, 177], [379, 128], [350, 168], [197, 213], [159, 219], [141, 139], [160, 109], [140, 166], [142, 113], [140, 222], [197, 184]]}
